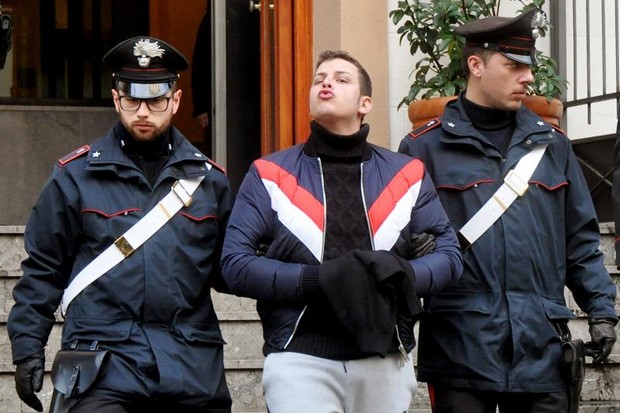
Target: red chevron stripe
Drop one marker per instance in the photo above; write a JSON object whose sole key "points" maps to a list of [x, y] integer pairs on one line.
{"points": [[298, 195], [411, 174]]}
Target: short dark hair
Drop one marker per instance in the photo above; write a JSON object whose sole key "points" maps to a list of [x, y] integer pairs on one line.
{"points": [[468, 51], [365, 82]]}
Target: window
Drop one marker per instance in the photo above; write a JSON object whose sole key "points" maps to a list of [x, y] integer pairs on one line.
{"points": [[58, 46]]}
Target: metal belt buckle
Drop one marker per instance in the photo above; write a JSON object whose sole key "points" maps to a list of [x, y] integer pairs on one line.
{"points": [[124, 246], [182, 193], [514, 182]]}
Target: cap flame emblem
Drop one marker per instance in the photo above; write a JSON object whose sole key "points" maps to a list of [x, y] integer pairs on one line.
{"points": [[145, 50]]}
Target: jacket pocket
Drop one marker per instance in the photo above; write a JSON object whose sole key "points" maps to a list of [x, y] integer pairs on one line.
{"points": [[88, 329], [459, 302], [556, 309], [99, 224], [200, 332]]}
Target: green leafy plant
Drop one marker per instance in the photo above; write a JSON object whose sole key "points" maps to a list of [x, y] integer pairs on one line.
{"points": [[428, 27]]}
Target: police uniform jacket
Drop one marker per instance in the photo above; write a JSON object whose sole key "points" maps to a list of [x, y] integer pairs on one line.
{"points": [[495, 329], [153, 311], [281, 202]]}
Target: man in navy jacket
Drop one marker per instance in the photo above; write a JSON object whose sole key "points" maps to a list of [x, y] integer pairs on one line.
{"points": [[323, 235]]}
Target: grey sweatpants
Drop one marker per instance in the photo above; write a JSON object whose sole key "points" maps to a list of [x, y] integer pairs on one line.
{"points": [[300, 383]]}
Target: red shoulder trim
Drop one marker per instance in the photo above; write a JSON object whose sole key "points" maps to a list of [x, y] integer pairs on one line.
{"points": [[81, 151], [217, 165], [430, 125], [558, 129]]}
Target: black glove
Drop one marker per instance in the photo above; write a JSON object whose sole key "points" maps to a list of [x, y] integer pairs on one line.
{"points": [[420, 245], [603, 334], [29, 379]]}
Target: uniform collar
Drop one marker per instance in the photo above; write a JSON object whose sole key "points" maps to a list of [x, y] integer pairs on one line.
{"points": [[528, 125], [107, 151]]}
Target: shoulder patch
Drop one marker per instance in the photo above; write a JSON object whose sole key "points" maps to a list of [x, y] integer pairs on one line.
{"points": [[420, 130], [81, 151], [216, 165]]}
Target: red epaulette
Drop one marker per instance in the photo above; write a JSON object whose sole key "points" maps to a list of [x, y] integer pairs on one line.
{"points": [[217, 165], [558, 129], [81, 151], [420, 130]]}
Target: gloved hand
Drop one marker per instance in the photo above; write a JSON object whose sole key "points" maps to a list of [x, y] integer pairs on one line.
{"points": [[603, 334], [421, 244], [29, 379]]}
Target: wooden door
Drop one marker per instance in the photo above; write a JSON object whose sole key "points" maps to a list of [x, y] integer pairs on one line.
{"points": [[286, 70]]}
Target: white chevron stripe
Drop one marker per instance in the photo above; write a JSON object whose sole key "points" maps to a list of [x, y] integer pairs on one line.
{"points": [[400, 217], [295, 219]]}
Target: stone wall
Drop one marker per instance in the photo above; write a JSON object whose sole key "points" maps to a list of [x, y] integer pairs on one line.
{"points": [[242, 332], [32, 139]]}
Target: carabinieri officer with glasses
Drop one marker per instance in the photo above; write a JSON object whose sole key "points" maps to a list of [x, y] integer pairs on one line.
{"points": [[126, 238]]}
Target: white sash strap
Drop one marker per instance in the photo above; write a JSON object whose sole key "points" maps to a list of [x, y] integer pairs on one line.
{"points": [[179, 196], [515, 185]]}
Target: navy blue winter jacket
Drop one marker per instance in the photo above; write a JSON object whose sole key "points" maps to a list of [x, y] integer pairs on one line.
{"points": [[496, 328], [281, 203], [153, 311]]}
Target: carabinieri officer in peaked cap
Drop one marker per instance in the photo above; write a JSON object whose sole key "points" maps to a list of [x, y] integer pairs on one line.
{"points": [[126, 238], [513, 188]]}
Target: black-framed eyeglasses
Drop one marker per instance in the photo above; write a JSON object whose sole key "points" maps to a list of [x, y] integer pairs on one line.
{"points": [[131, 104]]}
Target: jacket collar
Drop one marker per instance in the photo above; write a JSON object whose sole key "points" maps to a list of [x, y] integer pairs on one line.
{"points": [[106, 153], [529, 128]]}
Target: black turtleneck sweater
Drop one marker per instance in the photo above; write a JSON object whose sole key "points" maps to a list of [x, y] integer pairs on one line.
{"points": [[319, 332], [495, 124], [149, 156]]}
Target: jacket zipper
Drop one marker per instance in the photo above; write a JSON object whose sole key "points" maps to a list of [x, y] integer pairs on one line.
{"points": [[322, 251], [404, 357], [372, 241]]}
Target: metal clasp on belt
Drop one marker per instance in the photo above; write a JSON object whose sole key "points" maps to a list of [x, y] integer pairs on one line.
{"points": [[124, 246], [514, 182], [182, 193]]}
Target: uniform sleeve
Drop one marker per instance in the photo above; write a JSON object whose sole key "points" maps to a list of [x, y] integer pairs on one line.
{"points": [[444, 265], [247, 273], [586, 275], [49, 239], [225, 203]]}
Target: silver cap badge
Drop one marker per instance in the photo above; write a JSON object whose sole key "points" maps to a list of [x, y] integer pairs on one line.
{"points": [[538, 20], [145, 50]]}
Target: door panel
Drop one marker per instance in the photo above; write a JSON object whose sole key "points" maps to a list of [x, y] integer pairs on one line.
{"points": [[286, 70]]}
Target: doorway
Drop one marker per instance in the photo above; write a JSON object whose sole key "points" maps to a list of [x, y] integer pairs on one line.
{"points": [[237, 106], [262, 66]]}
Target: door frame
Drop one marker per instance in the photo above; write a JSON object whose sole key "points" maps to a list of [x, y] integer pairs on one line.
{"points": [[286, 70]]}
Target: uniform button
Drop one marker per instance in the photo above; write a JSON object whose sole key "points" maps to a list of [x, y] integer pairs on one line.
{"points": [[528, 142]]}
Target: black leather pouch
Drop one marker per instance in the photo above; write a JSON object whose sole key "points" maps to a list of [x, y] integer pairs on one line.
{"points": [[73, 373]]}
